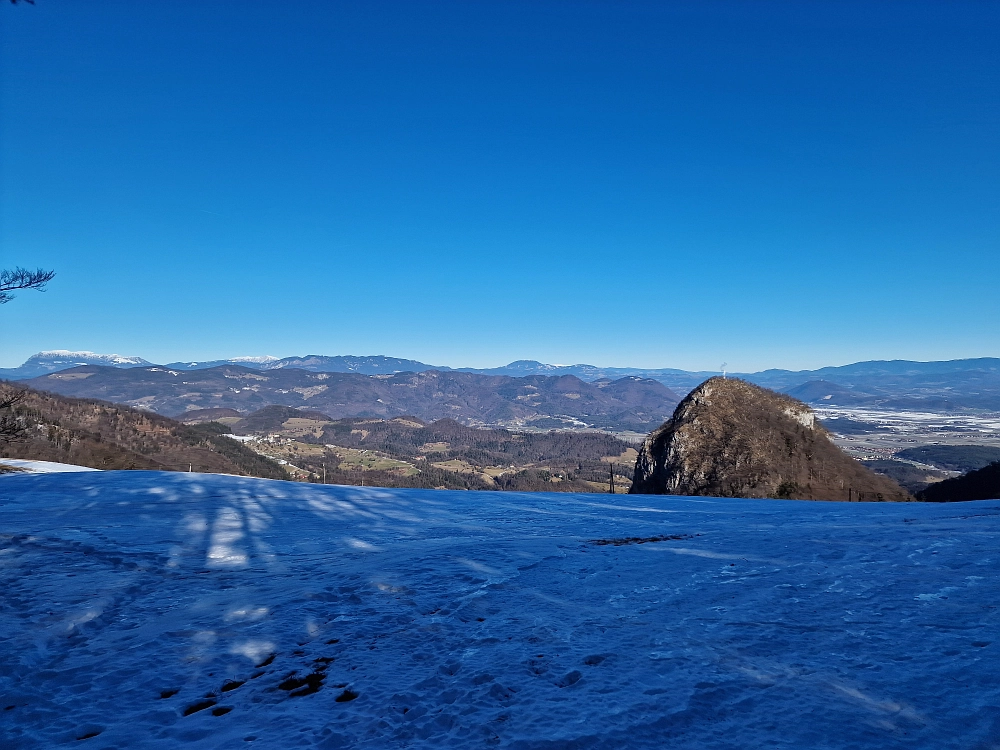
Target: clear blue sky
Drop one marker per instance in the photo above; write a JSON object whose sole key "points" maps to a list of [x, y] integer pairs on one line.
{"points": [[786, 184]]}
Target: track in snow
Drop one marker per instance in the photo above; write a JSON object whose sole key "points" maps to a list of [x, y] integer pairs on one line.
{"points": [[162, 610]]}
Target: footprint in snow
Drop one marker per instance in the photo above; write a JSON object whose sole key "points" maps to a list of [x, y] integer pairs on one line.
{"points": [[570, 679], [199, 706], [301, 686]]}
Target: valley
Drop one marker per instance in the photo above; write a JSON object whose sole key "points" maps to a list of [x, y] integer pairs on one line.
{"points": [[874, 410], [406, 452], [869, 433], [280, 442], [884, 439]]}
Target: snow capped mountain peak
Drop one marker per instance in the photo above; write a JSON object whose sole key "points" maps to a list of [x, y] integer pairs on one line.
{"points": [[62, 356], [264, 360], [54, 360]]}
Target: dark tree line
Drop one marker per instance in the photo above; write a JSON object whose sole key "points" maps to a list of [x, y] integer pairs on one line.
{"points": [[11, 426]]}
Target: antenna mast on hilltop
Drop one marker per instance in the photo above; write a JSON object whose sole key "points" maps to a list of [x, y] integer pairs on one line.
{"points": [[723, 367]]}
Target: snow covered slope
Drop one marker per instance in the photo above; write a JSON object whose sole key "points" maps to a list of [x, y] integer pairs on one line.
{"points": [[44, 467], [142, 609], [63, 359]]}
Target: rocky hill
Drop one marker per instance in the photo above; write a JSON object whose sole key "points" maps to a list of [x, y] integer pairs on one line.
{"points": [[534, 402], [730, 438]]}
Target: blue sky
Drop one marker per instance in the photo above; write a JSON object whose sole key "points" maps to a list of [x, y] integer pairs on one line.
{"points": [[467, 183]]}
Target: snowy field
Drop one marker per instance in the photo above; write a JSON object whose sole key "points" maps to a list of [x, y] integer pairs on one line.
{"points": [[166, 610], [42, 467], [906, 429]]}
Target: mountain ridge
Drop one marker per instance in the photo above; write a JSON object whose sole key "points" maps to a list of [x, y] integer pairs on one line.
{"points": [[906, 385], [56, 360], [531, 402]]}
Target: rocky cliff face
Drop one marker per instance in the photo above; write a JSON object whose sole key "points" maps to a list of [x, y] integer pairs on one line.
{"points": [[730, 438]]}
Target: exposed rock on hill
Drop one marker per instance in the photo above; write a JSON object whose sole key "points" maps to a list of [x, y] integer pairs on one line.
{"points": [[730, 438]]}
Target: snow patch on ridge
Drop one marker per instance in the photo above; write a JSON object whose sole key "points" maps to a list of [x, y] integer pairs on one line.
{"points": [[60, 356], [267, 358]]}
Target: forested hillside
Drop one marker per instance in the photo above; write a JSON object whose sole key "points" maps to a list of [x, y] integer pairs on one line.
{"points": [[111, 436], [981, 484], [407, 452]]}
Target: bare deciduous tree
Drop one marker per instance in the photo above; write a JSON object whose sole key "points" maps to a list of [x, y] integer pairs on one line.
{"points": [[11, 426], [22, 278]]}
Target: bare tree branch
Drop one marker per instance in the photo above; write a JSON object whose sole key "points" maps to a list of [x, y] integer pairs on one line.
{"points": [[11, 397], [22, 278]]}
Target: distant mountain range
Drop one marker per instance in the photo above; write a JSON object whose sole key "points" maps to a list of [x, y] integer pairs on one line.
{"points": [[532, 402], [898, 384], [61, 359]]}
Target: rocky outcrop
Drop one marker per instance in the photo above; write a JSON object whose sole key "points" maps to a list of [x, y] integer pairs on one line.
{"points": [[730, 438]]}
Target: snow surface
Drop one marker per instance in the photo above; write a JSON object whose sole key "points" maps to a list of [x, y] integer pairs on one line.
{"points": [[44, 467], [465, 619]]}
